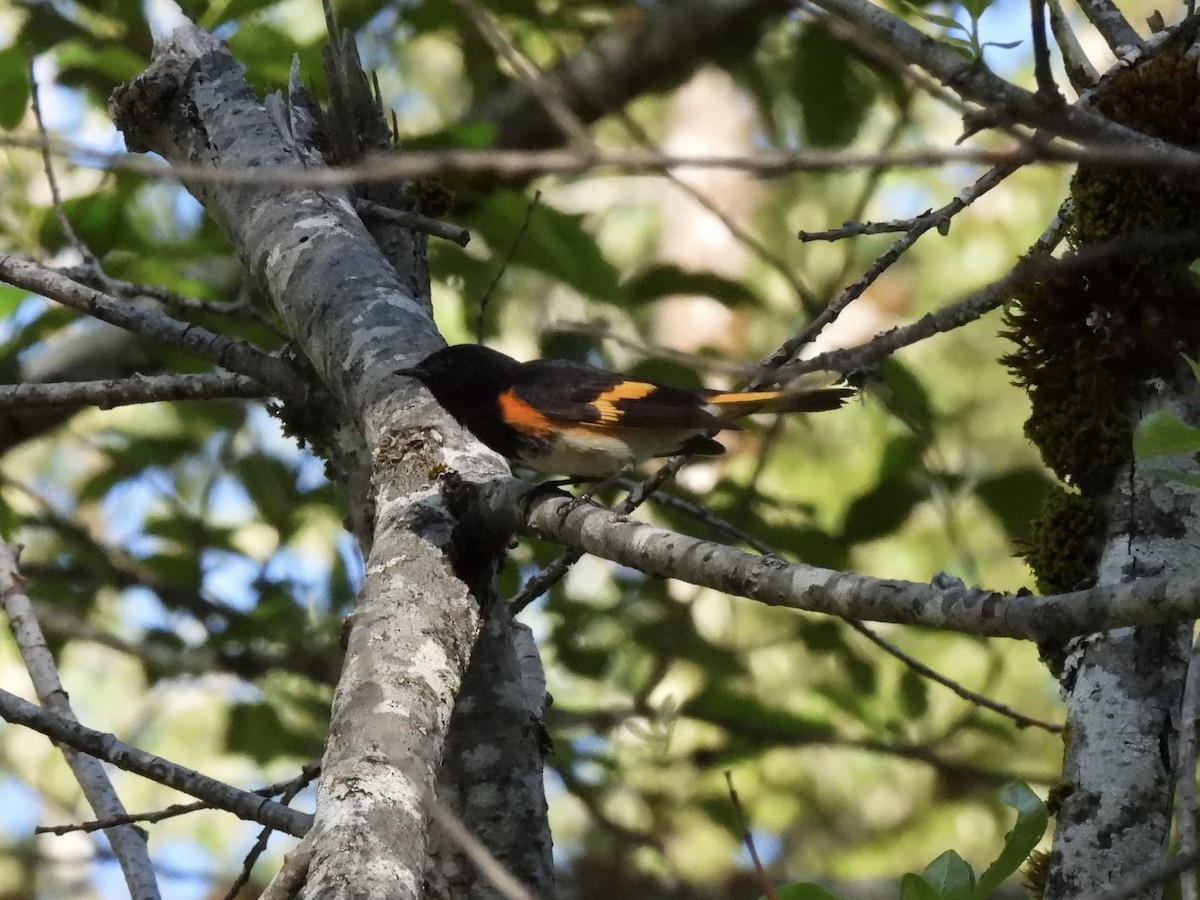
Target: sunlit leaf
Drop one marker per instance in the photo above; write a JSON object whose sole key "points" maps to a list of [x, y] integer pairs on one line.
{"points": [[1032, 818], [14, 86], [951, 876], [1162, 433]]}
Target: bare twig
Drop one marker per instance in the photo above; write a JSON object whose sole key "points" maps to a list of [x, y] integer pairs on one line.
{"points": [[530, 75], [290, 877], [308, 773], [982, 301], [1171, 868], [1112, 25], [128, 843], [1047, 90], [417, 222], [1080, 71], [128, 391], [512, 248], [739, 814], [474, 849], [288, 795], [939, 218], [243, 804], [84, 251], [237, 356], [731, 531], [1089, 139]]}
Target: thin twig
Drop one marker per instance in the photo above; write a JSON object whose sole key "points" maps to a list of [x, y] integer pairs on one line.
{"points": [[530, 75], [1138, 885], [289, 794], [103, 746], [739, 814], [60, 213], [939, 218], [802, 292], [1112, 25], [987, 298], [1047, 90], [1090, 142], [1080, 72], [732, 532], [414, 220], [128, 843], [512, 248], [179, 809], [474, 849], [290, 878], [237, 356]]}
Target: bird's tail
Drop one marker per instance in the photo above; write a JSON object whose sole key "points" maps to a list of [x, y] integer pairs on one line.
{"points": [[735, 404]]}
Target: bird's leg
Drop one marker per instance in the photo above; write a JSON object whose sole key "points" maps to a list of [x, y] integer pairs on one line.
{"points": [[598, 486]]}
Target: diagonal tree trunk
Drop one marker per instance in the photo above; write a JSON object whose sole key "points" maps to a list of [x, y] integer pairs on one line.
{"points": [[354, 319]]}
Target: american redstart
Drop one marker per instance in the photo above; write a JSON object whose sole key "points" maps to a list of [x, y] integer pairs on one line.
{"points": [[567, 418]]}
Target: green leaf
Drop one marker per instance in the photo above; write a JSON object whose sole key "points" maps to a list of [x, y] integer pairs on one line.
{"points": [[886, 506], [271, 484], [914, 887], [1193, 365], [665, 280], [951, 876], [945, 22], [914, 694], [1161, 433], [114, 64], [1015, 498], [804, 891], [259, 731], [554, 243], [832, 89], [14, 86], [1032, 819], [976, 8]]}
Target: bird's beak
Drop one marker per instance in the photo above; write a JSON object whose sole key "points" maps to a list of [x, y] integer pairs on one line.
{"points": [[411, 372]]}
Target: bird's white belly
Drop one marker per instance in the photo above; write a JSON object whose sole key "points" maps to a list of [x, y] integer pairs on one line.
{"points": [[594, 454]]}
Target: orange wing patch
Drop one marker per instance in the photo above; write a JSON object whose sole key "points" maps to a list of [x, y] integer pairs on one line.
{"points": [[521, 416], [606, 403]]}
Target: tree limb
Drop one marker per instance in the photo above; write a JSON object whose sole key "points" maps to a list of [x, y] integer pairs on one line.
{"points": [[129, 844], [243, 804], [129, 391], [949, 606]]}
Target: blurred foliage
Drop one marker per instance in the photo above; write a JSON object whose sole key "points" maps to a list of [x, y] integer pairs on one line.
{"points": [[191, 568]]}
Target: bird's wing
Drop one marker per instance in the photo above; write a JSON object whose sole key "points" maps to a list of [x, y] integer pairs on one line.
{"points": [[572, 392]]}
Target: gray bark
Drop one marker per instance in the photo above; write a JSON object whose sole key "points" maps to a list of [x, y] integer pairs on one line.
{"points": [[946, 603], [1123, 690], [354, 319]]}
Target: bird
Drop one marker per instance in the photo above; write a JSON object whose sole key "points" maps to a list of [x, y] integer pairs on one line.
{"points": [[565, 418]]}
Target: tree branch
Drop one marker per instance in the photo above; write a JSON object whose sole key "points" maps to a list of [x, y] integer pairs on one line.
{"points": [[237, 356], [243, 804], [129, 391], [129, 844], [945, 605]]}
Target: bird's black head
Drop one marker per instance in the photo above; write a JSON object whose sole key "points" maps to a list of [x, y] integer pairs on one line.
{"points": [[461, 375]]}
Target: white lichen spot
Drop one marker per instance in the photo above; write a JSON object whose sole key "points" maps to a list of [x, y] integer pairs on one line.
{"points": [[432, 665]]}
